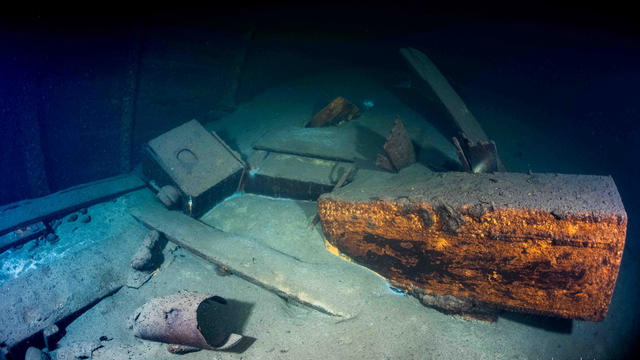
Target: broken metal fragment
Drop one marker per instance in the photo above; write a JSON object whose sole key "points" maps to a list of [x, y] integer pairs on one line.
{"points": [[482, 156], [480, 152], [190, 319], [383, 162], [461, 156], [496, 239], [339, 110], [398, 148]]}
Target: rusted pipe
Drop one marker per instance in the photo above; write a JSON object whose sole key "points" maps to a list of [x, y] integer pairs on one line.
{"points": [[189, 319]]}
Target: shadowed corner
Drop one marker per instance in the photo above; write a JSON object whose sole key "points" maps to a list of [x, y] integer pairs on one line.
{"points": [[235, 315], [551, 324], [235, 318], [242, 346]]}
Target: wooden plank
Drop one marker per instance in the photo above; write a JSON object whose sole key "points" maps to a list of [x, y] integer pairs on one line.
{"points": [[47, 295], [25, 212], [427, 71], [20, 236], [349, 142], [296, 177], [549, 244], [132, 73], [330, 287]]}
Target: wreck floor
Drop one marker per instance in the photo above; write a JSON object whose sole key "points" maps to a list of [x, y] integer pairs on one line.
{"points": [[390, 325]]}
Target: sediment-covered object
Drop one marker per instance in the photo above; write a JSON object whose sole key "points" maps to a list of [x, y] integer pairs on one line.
{"points": [[197, 163], [189, 319], [540, 243], [337, 111]]}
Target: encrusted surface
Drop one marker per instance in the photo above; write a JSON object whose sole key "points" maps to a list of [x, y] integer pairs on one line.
{"points": [[337, 111], [544, 243], [398, 147]]}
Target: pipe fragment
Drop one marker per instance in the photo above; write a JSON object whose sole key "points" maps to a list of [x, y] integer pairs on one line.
{"points": [[188, 319]]}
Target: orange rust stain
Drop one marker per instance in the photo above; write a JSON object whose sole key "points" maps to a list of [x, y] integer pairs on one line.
{"points": [[522, 259]]}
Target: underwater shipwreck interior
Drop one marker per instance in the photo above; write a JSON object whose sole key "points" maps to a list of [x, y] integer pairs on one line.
{"points": [[320, 182]]}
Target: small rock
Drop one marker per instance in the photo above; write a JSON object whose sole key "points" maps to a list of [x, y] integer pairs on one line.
{"points": [[151, 239], [54, 224], [147, 254], [143, 259], [72, 218], [85, 219], [83, 211], [52, 238], [181, 349]]}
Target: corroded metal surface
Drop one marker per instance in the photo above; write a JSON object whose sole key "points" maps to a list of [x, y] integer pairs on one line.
{"points": [[194, 320], [337, 111], [398, 148], [525, 250]]}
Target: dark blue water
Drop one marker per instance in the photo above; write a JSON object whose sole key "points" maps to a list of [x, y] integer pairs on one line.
{"points": [[556, 88]]}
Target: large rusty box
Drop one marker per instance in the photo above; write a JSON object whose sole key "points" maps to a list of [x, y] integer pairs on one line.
{"points": [[547, 244], [197, 162]]}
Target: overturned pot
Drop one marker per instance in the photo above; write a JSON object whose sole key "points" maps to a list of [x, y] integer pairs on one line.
{"points": [[189, 319]]}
